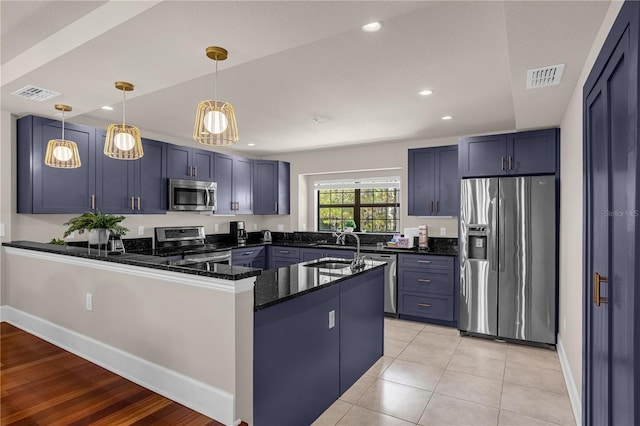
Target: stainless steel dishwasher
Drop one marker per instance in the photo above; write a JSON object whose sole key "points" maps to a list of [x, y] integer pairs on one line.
{"points": [[390, 281]]}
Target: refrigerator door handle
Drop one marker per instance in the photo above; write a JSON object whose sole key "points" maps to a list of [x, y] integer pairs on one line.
{"points": [[492, 233], [501, 232]]}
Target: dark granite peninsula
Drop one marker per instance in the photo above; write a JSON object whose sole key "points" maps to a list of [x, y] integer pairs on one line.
{"points": [[316, 331]]}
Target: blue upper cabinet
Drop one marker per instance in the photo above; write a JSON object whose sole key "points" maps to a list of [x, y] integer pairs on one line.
{"points": [[184, 162], [132, 186], [434, 185], [271, 187], [523, 153], [43, 189], [234, 178]]}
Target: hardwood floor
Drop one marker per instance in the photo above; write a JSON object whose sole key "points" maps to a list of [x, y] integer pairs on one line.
{"points": [[41, 384]]}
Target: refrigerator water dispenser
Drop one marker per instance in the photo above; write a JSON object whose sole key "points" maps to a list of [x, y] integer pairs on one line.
{"points": [[477, 242]]}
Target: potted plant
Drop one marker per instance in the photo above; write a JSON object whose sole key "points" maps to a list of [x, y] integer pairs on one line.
{"points": [[98, 224], [349, 225]]}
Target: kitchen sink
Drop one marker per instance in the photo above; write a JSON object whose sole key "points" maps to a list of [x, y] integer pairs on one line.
{"points": [[330, 264]]}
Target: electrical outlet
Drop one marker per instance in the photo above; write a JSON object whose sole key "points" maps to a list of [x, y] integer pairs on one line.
{"points": [[89, 302], [255, 226], [332, 319], [280, 227], [216, 227], [304, 226], [443, 232], [140, 230]]}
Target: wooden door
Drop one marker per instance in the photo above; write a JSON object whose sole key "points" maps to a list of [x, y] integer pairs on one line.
{"points": [[611, 379]]}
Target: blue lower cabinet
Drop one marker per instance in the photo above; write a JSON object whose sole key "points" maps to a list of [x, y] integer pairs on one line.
{"points": [[302, 361], [296, 359], [280, 257], [361, 325], [253, 257]]}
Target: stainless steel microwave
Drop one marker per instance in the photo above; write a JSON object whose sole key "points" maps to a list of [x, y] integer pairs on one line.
{"points": [[192, 195]]}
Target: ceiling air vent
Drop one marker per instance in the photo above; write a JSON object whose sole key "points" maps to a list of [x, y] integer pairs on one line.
{"points": [[546, 76], [35, 93]]}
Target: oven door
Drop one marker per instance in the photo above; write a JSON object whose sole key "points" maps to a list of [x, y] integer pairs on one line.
{"points": [[192, 195]]}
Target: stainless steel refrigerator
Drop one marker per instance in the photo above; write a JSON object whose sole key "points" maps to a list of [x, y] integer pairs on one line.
{"points": [[508, 258]]}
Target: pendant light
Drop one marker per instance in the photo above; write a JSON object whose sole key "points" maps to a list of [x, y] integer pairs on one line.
{"points": [[123, 140], [62, 153], [215, 119]]}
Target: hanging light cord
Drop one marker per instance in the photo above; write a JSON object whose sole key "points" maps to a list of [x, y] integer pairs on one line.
{"points": [[63, 124], [215, 86], [124, 95]]}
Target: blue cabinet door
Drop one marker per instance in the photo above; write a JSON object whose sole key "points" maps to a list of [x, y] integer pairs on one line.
{"points": [[115, 181], [434, 185], [224, 179], [361, 325], [265, 187], [271, 181], [243, 185], [483, 156], [611, 366], [179, 162], [446, 181], [44, 189], [532, 152], [151, 178], [234, 176], [307, 254], [296, 359], [203, 164], [421, 189]]}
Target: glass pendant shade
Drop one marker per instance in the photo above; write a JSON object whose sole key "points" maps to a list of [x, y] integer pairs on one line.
{"points": [[62, 153], [215, 123], [123, 141], [215, 119]]}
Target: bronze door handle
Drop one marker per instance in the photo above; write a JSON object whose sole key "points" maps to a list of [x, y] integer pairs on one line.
{"points": [[597, 280]]}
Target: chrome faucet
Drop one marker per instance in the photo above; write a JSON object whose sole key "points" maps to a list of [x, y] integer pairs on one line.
{"points": [[358, 261]]}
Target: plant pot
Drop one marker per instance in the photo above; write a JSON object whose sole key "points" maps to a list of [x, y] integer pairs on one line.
{"points": [[348, 229], [98, 236]]}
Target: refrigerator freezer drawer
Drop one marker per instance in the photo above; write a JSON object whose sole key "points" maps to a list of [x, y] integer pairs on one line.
{"points": [[439, 281], [428, 306]]}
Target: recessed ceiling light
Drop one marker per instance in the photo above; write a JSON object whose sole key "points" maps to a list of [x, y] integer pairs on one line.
{"points": [[426, 92], [251, 144], [447, 117], [372, 27], [107, 108]]}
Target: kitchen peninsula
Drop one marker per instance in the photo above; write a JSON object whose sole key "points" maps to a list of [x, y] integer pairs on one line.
{"points": [[187, 334]]}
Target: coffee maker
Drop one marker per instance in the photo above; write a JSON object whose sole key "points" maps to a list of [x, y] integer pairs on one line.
{"points": [[238, 232]]}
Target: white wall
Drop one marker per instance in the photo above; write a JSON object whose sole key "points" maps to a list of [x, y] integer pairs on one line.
{"points": [[571, 214], [362, 160], [7, 159]]}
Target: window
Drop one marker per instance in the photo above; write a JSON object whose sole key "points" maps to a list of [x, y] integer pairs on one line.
{"points": [[372, 209]]}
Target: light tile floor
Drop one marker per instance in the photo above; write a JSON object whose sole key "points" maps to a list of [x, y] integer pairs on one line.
{"points": [[430, 375]]}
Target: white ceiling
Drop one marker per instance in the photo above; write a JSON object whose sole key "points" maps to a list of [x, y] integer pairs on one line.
{"points": [[293, 62]]}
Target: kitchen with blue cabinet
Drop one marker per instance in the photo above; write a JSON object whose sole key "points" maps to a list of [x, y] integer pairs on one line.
{"points": [[511, 108]]}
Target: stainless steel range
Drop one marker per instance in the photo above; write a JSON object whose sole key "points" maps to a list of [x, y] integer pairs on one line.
{"points": [[185, 246]]}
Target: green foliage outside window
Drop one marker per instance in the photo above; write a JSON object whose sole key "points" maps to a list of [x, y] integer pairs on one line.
{"points": [[374, 210]]}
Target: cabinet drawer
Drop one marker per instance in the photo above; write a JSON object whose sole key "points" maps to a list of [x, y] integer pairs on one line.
{"points": [[247, 254], [438, 281], [285, 252], [418, 261], [427, 306]]}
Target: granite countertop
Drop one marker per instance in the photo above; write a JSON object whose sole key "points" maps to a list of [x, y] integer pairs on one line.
{"points": [[278, 285], [225, 272]]}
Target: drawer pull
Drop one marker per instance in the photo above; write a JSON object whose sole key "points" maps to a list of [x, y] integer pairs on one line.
{"points": [[424, 305], [420, 280], [284, 252], [424, 261], [247, 253]]}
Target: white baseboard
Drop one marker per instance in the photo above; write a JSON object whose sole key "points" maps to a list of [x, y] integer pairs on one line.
{"points": [[574, 395], [201, 397]]}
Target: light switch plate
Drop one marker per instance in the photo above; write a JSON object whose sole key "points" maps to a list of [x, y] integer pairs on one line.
{"points": [[140, 230], [89, 302], [280, 227], [443, 231], [216, 227]]}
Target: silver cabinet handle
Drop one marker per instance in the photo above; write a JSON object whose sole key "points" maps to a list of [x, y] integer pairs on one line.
{"points": [[132, 205], [93, 201], [195, 170], [424, 261], [138, 203], [424, 281], [424, 305], [502, 163], [247, 253], [284, 252]]}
